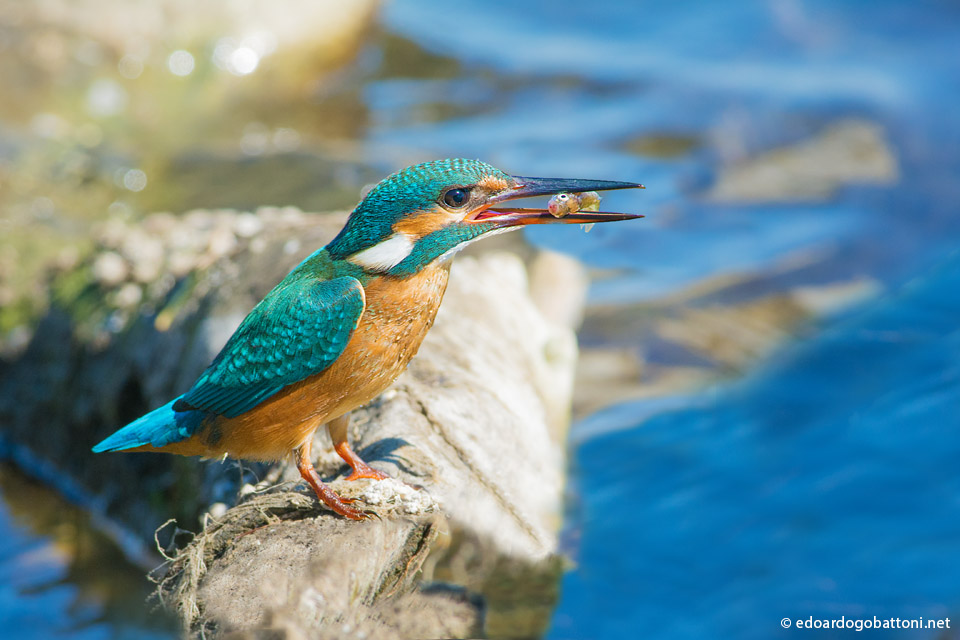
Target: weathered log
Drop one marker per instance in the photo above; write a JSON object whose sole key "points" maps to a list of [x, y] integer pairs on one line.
{"points": [[469, 424], [477, 424]]}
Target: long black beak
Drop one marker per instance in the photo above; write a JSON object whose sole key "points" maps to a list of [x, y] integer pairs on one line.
{"points": [[528, 187]]}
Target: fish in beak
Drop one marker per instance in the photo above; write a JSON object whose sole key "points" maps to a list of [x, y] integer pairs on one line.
{"points": [[530, 187]]}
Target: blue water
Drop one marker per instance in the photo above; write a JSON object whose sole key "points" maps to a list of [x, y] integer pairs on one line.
{"points": [[562, 88], [33, 580], [61, 576], [825, 484]]}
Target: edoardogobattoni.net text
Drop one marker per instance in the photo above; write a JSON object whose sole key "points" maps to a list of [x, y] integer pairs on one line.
{"points": [[860, 624]]}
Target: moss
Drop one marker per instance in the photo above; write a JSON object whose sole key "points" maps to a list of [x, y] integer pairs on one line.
{"points": [[179, 296], [23, 311], [69, 285], [77, 293]]}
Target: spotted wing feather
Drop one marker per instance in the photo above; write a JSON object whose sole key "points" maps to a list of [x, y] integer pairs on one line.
{"points": [[297, 331]]}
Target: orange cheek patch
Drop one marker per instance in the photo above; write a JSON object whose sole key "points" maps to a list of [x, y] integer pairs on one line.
{"points": [[493, 183], [424, 222]]}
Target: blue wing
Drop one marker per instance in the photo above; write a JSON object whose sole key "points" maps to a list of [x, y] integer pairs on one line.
{"points": [[298, 330]]}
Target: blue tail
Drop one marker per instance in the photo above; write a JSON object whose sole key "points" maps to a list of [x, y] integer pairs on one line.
{"points": [[158, 428]]}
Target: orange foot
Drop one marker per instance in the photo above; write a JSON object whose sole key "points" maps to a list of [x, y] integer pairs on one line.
{"points": [[366, 471], [326, 495], [360, 468]]}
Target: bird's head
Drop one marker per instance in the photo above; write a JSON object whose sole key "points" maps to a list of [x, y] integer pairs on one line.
{"points": [[427, 211]]}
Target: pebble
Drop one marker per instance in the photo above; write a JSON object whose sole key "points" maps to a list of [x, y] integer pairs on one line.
{"points": [[181, 262], [247, 225], [168, 247], [199, 218], [221, 242], [129, 295], [258, 245], [110, 269], [160, 223], [145, 252]]}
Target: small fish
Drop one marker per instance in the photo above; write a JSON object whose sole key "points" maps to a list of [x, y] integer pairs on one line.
{"points": [[589, 201], [563, 204]]}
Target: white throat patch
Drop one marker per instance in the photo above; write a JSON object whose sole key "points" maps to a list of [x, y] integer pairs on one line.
{"points": [[386, 255]]}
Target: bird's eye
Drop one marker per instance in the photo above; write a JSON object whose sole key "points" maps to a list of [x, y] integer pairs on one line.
{"points": [[456, 198]]}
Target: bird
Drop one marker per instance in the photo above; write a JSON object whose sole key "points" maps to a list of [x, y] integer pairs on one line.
{"points": [[344, 323]]}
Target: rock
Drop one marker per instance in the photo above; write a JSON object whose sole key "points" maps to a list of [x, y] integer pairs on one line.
{"points": [[835, 297], [848, 152], [559, 285], [733, 336], [710, 330], [605, 376], [473, 432]]}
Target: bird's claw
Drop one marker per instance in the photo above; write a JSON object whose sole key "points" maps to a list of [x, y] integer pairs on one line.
{"points": [[349, 512], [366, 472]]}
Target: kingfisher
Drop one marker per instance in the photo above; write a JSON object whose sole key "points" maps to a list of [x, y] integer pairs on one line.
{"points": [[345, 322]]}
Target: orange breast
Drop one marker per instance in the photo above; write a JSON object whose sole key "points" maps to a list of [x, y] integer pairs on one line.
{"points": [[396, 319]]}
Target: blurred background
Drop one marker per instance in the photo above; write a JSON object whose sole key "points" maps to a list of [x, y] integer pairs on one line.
{"points": [[768, 399]]}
